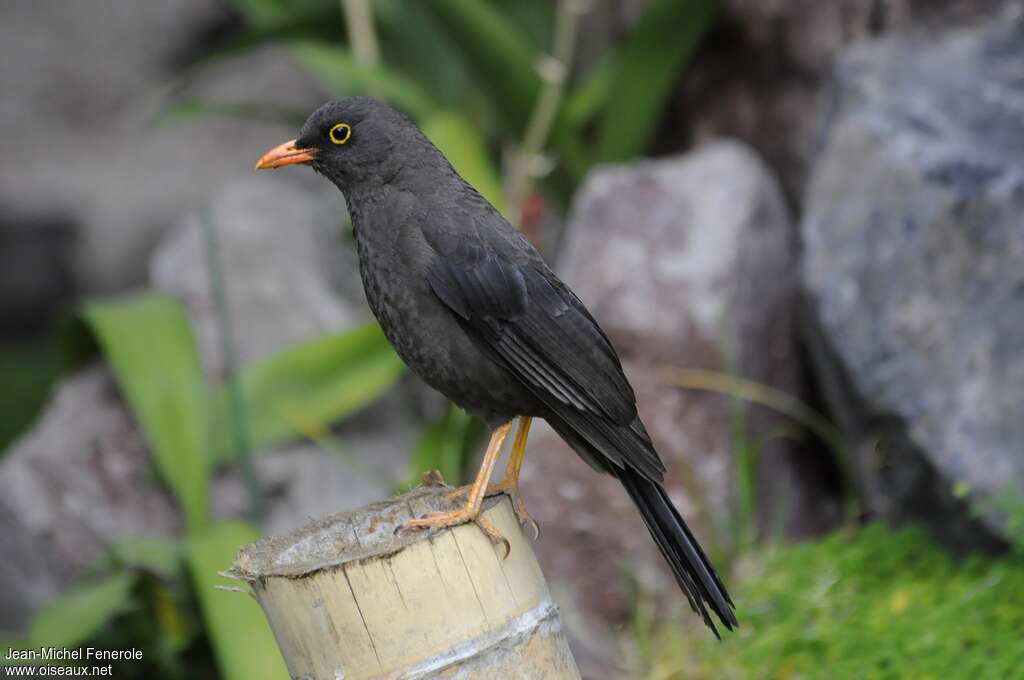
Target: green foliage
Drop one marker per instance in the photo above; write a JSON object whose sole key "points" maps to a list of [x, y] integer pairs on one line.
{"points": [[29, 372], [151, 553], [335, 67], [477, 62], [242, 642], [149, 344], [500, 58], [1007, 504], [300, 389], [663, 40], [81, 612], [446, 445], [870, 603]]}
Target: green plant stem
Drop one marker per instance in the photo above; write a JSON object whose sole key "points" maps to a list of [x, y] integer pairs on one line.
{"points": [[526, 160], [362, 36], [236, 402]]}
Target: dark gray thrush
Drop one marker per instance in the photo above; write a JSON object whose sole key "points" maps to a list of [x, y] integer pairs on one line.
{"points": [[473, 310]]}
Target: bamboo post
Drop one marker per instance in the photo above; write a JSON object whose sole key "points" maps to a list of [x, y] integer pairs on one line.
{"points": [[348, 598]]}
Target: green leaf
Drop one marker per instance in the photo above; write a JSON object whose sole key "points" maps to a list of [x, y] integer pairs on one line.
{"points": [[412, 44], [82, 612], [466, 151], [159, 555], [446, 445], [533, 19], [500, 58], [588, 98], [149, 344], [243, 643], [304, 389], [338, 70], [657, 50]]}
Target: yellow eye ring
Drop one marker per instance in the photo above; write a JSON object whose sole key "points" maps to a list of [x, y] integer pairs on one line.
{"points": [[340, 133]]}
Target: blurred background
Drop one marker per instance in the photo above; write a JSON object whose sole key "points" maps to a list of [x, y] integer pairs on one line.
{"points": [[801, 223]]}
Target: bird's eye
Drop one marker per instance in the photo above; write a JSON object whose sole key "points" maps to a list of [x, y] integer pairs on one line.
{"points": [[340, 133]]}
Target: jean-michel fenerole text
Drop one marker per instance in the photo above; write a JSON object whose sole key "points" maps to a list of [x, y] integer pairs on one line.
{"points": [[65, 654]]}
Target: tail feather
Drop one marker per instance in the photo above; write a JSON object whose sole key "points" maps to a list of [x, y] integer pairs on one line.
{"points": [[618, 450], [690, 566]]}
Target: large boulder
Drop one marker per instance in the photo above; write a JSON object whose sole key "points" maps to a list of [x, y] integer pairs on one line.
{"points": [[914, 238], [687, 262], [82, 477]]}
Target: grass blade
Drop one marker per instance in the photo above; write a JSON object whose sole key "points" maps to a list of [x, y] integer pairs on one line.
{"points": [[657, 50], [149, 344], [242, 641], [499, 57], [340, 73], [315, 383], [82, 612], [446, 445]]}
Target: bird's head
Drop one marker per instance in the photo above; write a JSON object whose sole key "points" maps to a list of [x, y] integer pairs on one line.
{"points": [[351, 141]]}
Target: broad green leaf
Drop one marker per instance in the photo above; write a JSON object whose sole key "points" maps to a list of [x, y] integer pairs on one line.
{"points": [[446, 445], [466, 151], [338, 70], [655, 53], [82, 612], [243, 643], [158, 555], [501, 59], [306, 388], [149, 344]]}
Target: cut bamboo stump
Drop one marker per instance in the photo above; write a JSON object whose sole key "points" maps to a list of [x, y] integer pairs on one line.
{"points": [[348, 598]]}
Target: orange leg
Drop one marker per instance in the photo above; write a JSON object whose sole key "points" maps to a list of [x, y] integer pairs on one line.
{"points": [[470, 511], [510, 484]]}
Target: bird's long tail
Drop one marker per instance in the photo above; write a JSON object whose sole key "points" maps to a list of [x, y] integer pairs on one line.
{"points": [[690, 566], [600, 443]]}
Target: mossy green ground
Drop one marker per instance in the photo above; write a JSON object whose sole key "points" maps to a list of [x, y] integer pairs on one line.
{"points": [[867, 604]]}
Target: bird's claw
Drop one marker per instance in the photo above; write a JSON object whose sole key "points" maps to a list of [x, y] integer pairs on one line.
{"points": [[532, 523], [444, 520]]}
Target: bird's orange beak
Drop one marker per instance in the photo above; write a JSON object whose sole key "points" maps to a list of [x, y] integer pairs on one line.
{"points": [[285, 154]]}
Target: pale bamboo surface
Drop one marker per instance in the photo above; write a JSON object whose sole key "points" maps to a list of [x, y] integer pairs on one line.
{"points": [[347, 598]]}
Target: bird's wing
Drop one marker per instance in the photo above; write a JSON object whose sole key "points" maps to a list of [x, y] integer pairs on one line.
{"points": [[511, 303]]}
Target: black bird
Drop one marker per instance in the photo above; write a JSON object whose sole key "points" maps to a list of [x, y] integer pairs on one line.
{"points": [[471, 307]]}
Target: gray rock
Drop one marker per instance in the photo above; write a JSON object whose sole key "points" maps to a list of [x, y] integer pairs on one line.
{"points": [[685, 262], [278, 241], [914, 236], [84, 140], [82, 478]]}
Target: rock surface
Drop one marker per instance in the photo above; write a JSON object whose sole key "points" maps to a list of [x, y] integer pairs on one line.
{"points": [[685, 262], [84, 140], [764, 67], [914, 236], [82, 478]]}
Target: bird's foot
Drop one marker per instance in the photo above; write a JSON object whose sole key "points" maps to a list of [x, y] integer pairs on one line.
{"points": [[509, 487], [451, 518]]}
